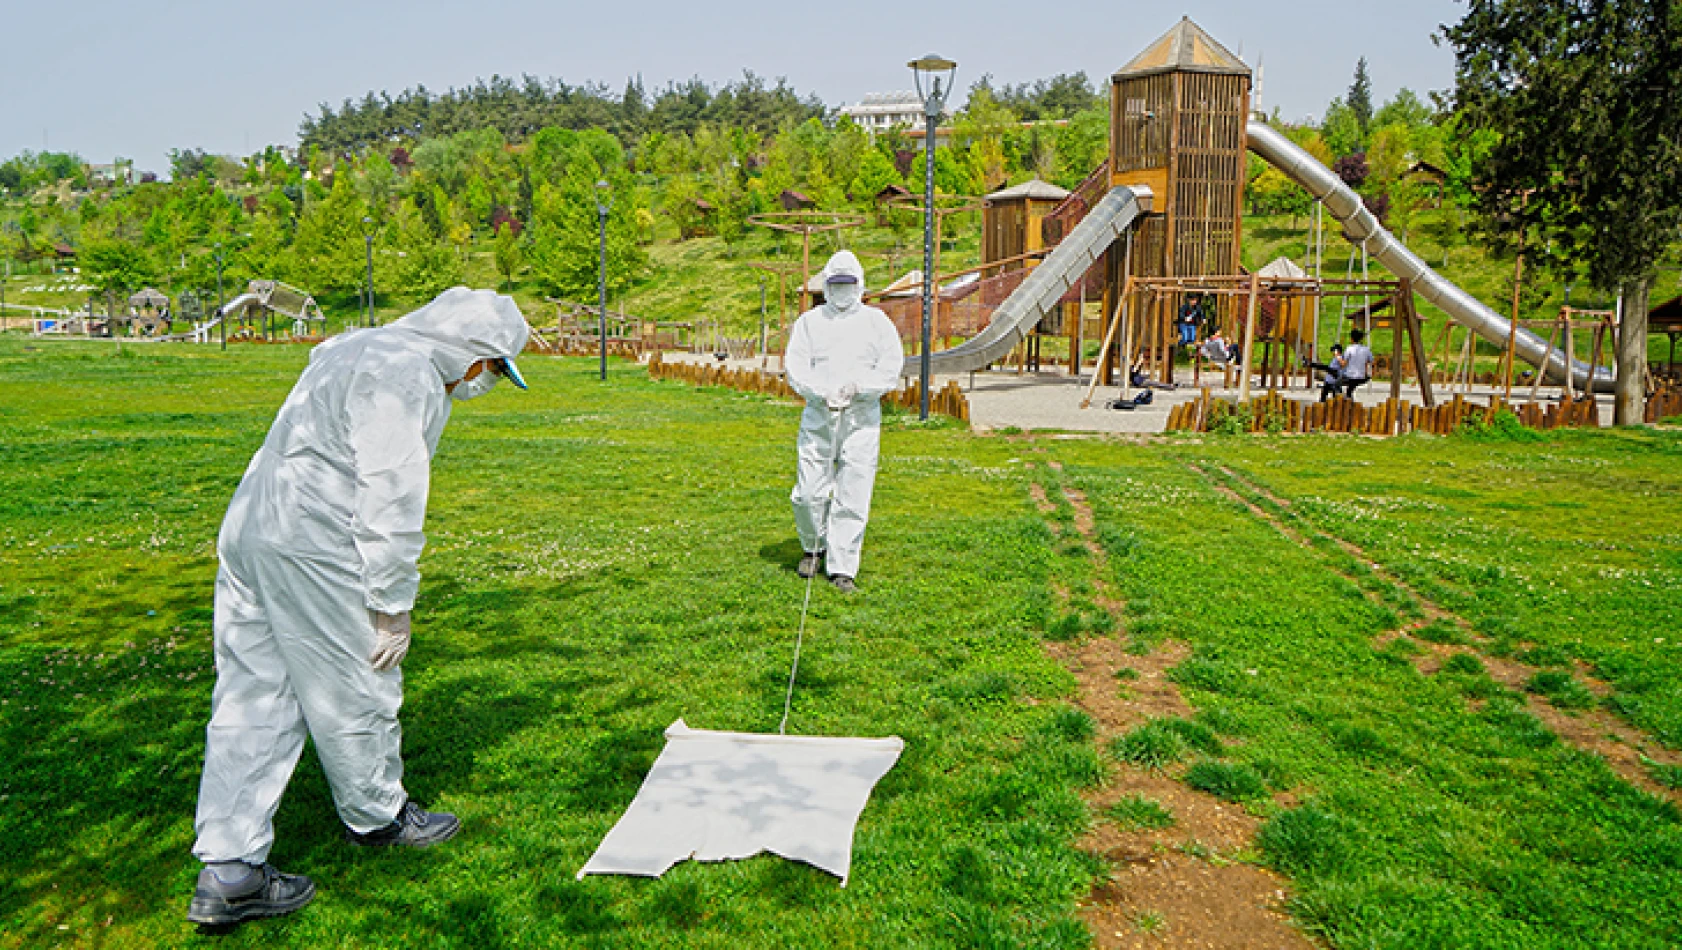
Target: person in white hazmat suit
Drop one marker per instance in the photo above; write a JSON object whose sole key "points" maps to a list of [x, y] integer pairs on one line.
{"points": [[318, 553], [842, 357]]}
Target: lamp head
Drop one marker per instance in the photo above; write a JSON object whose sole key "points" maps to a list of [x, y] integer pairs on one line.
{"points": [[932, 65]]}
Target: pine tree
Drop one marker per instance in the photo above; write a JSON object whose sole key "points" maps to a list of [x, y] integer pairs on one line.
{"points": [[1359, 99]]}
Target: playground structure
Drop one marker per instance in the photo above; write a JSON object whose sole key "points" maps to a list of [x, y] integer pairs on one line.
{"points": [[1160, 221], [262, 312]]}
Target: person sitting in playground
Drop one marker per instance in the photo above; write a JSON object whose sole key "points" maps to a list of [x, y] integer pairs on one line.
{"points": [[1191, 314], [1357, 364], [1216, 349], [1353, 367], [1330, 372]]}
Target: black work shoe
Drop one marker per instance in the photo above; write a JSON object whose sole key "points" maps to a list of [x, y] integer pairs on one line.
{"points": [[414, 826], [262, 892], [843, 583], [809, 564]]}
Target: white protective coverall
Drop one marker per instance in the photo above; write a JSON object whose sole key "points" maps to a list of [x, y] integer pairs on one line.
{"points": [[828, 350], [325, 529]]}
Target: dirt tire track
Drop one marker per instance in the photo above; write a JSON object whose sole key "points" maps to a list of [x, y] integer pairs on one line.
{"points": [[1178, 887], [1624, 748]]}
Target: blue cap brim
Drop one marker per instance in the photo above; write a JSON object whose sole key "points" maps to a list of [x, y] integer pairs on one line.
{"points": [[513, 373]]}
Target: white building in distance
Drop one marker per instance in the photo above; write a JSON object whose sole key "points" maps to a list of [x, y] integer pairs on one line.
{"points": [[881, 111]]}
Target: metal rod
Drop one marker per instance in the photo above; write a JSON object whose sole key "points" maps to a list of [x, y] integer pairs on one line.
{"points": [[601, 285], [931, 112]]}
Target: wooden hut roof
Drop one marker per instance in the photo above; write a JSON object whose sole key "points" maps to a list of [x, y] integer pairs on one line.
{"points": [[1283, 268], [149, 297], [792, 200], [893, 193], [1185, 48], [1666, 317], [1032, 189]]}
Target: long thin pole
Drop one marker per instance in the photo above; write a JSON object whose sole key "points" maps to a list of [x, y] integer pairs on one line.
{"points": [[221, 318], [601, 284], [1249, 342], [368, 239], [931, 112]]}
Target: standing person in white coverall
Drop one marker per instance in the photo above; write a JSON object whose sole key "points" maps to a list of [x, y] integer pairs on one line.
{"points": [[317, 577], [842, 357]]}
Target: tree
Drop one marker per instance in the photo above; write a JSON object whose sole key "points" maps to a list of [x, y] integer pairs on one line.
{"points": [[876, 172], [189, 163], [1359, 98], [116, 266], [413, 260], [564, 251], [1342, 130], [328, 252], [509, 255], [1588, 113]]}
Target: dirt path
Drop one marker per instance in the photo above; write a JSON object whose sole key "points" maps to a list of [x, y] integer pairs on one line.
{"points": [[1624, 748], [1184, 886]]}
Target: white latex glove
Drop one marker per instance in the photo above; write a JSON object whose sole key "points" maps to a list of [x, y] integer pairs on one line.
{"points": [[391, 640], [843, 397]]}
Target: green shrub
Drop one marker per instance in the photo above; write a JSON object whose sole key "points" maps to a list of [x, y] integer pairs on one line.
{"points": [[1138, 813], [1233, 782], [1441, 631], [1308, 841], [1072, 724], [1561, 689], [1670, 776], [1162, 742], [1463, 663]]}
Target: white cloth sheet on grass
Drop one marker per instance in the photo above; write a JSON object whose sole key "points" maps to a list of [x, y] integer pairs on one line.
{"points": [[722, 796]]}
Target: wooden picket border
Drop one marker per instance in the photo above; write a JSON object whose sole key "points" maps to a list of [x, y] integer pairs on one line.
{"points": [[948, 400], [1274, 413]]}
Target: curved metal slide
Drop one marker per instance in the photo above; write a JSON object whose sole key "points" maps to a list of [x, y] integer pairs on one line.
{"points": [[1045, 286], [1274, 148]]}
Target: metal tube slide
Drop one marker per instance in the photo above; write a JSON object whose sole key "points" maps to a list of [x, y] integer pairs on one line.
{"points": [[1040, 290], [1321, 182], [239, 303]]}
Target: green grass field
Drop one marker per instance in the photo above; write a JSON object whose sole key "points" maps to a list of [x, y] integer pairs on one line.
{"points": [[603, 559]]}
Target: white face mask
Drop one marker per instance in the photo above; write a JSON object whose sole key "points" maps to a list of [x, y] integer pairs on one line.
{"points": [[844, 297], [477, 386]]}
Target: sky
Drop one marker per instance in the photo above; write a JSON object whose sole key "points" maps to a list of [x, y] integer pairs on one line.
{"points": [[107, 79]]}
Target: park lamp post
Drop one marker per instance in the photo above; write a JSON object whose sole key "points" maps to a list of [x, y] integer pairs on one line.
{"points": [[7, 231], [221, 318], [368, 242], [603, 206], [930, 67]]}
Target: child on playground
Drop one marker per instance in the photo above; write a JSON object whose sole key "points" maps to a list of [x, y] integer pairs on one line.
{"points": [[1332, 372], [1350, 369]]}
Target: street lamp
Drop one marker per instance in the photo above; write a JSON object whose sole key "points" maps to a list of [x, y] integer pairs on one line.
{"points": [[368, 240], [221, 318], [934, 68], [603, 206]]}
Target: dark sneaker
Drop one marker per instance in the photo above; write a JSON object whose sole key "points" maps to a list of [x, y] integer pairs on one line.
{"points": [[414, 827], [809, 564], [843, 583], [261, 892]]}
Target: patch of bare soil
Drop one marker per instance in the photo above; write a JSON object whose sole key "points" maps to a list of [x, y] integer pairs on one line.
{"points": [[1181, 886]]}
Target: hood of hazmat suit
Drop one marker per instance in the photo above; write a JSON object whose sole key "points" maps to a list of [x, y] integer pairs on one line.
{"points": [[831, 348], [323, 532], [344, 472]]}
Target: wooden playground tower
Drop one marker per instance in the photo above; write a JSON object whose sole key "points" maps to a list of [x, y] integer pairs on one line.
{"points": [[1178, 113]]}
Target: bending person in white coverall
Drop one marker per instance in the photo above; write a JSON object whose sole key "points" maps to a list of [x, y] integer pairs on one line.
{"points": [[317, 577], [842, 357]]}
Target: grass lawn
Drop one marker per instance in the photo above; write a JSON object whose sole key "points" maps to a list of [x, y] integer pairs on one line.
{"points": [[603, 559]]}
